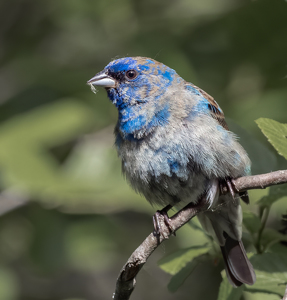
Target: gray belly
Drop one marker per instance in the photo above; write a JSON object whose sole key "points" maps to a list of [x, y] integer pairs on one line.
{"points": [[163, 190], [162, 169]]}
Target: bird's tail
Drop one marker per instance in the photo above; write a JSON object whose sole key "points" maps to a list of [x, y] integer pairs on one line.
{"points": [[223, 221], [238, 268]]}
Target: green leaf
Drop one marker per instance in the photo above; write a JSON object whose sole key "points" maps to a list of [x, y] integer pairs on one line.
{"points": [[178, 279], [251, 222], [175, 262], [277, 248], [260, 296], [271, 273], [276, 134], [276, 192], [181, 264], [271, 237], [227, 291]]}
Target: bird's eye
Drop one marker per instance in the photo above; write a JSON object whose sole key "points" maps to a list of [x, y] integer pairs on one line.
{"points": [[131, 74]]}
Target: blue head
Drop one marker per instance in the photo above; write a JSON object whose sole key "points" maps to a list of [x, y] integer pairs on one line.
{"points": [[136, 86]]}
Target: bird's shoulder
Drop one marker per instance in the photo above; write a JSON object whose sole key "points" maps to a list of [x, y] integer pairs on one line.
{"points": [[213, 108]]}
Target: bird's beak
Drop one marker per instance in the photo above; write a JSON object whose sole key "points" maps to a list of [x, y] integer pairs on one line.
{"points": [[102, 79]]}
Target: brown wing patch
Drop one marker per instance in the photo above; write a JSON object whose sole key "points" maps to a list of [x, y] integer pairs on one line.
{"points": [[214, 108]]}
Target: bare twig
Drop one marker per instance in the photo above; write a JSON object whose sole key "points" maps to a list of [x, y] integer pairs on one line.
{"points": [[126, 280]]}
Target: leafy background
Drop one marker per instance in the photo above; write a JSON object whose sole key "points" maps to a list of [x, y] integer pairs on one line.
{"points": [[69, 221]]}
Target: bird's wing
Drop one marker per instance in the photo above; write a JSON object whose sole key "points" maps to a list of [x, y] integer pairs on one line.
{"points": [[214, 108], [218, 115]]}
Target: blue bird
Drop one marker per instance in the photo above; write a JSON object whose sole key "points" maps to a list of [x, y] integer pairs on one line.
{"points": [[176, 148]]}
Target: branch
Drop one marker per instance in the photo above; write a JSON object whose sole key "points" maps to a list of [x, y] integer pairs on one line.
{"points": [[126, 280], [261, 181]]}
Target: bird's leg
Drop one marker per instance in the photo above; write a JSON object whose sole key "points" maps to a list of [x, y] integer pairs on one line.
{"points": [[223, 187], [156, 220], [243, 195], [228, 186]]}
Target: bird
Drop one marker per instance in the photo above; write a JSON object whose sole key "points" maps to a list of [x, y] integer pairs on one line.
{"points": [[176, 148]]}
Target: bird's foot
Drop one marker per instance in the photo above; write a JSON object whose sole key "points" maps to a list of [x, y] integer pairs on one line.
{"points": [[229, 186], [157, 218]]}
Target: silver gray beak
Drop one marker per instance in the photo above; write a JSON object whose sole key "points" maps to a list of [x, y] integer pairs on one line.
{"points": [[102, 79]]}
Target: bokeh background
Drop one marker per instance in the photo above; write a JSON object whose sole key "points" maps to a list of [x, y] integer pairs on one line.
{"points": [[68, 220]]}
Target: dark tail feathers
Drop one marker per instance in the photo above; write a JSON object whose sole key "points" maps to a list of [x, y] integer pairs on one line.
{"points": [[238, 268]]}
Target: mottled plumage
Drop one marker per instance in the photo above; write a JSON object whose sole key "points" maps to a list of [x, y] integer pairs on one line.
{"points": [[176, 148]]}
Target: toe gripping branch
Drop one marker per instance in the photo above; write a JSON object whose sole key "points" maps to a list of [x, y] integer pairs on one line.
{"points": [[157, 221], [228, 186], [183, 216]]}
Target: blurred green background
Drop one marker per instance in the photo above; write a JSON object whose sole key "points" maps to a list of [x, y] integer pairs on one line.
{"points": [[69, 221]]}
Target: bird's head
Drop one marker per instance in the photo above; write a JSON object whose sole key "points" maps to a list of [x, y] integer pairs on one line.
{"points": [[140, 88]]}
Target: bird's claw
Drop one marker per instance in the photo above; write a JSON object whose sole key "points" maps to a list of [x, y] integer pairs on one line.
{"points": [[158, 230], [229, 186]]}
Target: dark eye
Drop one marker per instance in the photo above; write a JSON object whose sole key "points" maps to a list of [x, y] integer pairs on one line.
{"points": [[131, 74]]}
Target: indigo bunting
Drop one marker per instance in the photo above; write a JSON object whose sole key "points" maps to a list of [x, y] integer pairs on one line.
{"points": [[176, 148]]}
